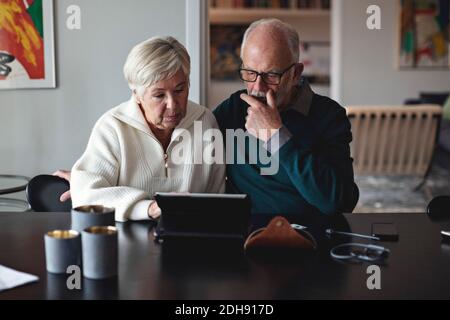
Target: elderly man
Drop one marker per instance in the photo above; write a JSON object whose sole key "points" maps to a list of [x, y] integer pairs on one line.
{"points": [[313, 132]]}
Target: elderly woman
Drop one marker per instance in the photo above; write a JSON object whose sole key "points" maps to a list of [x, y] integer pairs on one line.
{"points": [[130, 154]]}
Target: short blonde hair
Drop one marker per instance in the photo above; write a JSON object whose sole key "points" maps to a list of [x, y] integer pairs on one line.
{"points": [[153, 60]]}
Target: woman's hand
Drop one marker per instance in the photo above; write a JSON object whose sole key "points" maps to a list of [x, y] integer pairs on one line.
{"points": [[65, 175], [154, 212]]}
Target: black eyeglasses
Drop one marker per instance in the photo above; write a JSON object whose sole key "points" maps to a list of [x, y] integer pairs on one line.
{"points": [[359, 252], [249, 75]]}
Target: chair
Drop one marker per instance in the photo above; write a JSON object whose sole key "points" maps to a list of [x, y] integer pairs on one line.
{"points": [[394, 140], [439, 208], [43, 193], [13, 184]]}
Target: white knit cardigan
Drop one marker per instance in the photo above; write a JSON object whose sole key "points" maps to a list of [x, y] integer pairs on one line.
{"points": [[124, 164]]}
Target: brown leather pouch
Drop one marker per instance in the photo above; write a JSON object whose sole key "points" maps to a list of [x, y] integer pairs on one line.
{"points": [[279, 234]]}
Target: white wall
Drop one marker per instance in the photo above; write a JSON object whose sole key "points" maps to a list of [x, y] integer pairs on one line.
{"points": [[43, 130], [368, 72]]}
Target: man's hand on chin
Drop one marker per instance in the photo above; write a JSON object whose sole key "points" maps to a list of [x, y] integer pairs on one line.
{"points": [[263, 120]]}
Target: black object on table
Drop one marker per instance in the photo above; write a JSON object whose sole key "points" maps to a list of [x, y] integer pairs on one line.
{"points": [[43, 193], [439, 209]]}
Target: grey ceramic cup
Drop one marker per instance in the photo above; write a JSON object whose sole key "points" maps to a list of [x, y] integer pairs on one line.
{"points": [[100, 252], [62, 249], [88, 216]]}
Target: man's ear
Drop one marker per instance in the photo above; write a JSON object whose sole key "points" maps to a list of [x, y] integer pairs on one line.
{"points": [[298, 70]]}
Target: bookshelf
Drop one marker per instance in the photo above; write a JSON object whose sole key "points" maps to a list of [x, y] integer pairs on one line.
{"points": [[246, 11], [247, 15], [284, 4]]}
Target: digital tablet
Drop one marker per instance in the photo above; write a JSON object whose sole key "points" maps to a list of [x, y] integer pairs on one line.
{"points": [[204, 215]]}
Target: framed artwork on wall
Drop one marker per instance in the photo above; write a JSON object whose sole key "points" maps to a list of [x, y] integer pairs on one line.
{"points": [[225, 51], [424, 34], [26, 44]]}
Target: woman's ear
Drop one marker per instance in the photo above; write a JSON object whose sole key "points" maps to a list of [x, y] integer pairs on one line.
{"points": [[136, 97]]}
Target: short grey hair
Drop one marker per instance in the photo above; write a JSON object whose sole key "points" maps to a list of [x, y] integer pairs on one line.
{"points": [[290, 33], [153, 60]]}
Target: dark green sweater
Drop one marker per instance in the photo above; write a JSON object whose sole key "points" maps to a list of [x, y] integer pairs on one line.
{"points": [[315, 168]]}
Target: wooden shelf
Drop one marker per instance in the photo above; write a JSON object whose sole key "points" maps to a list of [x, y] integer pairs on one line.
{"points": [[246, 16]]}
